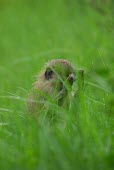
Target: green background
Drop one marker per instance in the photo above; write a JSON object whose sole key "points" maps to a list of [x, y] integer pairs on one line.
{"points": [[31, 33]]}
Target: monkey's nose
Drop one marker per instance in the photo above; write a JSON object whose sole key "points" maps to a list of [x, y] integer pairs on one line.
{"points": [[71, 78]]}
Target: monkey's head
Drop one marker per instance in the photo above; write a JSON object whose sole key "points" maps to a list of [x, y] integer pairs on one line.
{"points": [[56, 79], [60, 71]]}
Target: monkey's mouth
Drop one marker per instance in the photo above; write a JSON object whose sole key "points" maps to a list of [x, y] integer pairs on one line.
{"points": [[71, 78], [69, 82], [65, 87]]}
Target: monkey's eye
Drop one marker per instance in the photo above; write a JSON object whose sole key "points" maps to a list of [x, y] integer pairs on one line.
{"points": [[48, 74]]}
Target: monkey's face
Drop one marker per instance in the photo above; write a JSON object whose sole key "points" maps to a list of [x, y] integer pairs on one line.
{"points": [[60, 77], [54, 81]]}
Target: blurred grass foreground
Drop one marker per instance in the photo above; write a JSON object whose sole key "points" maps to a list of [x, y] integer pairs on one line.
{"points": [[31, 33]]}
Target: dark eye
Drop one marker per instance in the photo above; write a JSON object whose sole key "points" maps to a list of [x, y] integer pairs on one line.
{"points": [[48, 74]]}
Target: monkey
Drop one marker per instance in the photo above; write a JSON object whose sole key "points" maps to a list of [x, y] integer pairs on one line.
{"points": [[53, 83]]}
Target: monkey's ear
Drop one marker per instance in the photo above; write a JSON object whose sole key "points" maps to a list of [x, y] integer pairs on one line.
{"points": [[48, 74]]}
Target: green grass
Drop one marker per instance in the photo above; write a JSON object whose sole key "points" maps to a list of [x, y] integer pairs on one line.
{"points": [[31, 33]]}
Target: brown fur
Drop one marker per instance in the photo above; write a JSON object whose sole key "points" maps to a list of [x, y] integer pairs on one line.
{"points": [[54, 88]]}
